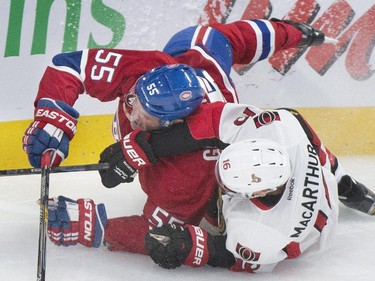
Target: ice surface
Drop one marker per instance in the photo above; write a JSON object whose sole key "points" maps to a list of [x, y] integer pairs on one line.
{"points": [[350, 257]]}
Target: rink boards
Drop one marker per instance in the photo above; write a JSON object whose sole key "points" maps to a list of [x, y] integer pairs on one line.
{"points": [[345, 131]]}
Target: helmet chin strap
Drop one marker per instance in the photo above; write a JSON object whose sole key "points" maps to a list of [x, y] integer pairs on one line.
{"points": [[167, 123], [276, 191]]}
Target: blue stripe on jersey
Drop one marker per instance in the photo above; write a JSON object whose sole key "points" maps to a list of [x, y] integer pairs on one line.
{"points": [[217, 45], [266, 36], [221, 49], [180, 42], [71, 60]]}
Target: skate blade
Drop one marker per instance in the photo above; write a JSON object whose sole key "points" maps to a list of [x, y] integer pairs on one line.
{"points": [[330, 40], [371, 212]]}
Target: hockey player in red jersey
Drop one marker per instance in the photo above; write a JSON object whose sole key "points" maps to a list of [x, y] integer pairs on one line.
{"points": [[196, 65], [280, 185]]}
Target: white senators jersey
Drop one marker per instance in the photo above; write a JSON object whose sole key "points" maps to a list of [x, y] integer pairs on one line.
{"points": [[306, 215]]}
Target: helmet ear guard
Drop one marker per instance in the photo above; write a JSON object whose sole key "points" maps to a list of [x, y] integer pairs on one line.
{"points": [[252, 165], [170, 92]]}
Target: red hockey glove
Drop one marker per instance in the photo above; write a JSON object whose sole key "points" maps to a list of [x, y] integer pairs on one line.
{"points": [[170, 246], [125, 157], [71, 222], [53, 127]]}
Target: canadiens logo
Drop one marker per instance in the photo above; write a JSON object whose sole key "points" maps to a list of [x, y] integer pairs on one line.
{"points": [[246, 253], [185, 95]]}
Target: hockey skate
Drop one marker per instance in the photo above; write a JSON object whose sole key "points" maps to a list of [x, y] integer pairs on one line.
{"points": [[356, 196], [310, 35]]}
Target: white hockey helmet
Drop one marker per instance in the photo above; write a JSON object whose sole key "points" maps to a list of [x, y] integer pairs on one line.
{"points": [[252, 165]]}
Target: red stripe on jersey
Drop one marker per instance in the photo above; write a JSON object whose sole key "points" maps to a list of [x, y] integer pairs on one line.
{"points": [[312, 136], [293, 250], [327, 193], [201, 34], [259, 204], [321, 221]]}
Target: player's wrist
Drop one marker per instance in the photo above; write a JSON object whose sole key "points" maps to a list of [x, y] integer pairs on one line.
{"points": [[54, 125], [137, 151], [57, 113], [125, 158], [92, 222], [199, 254]]}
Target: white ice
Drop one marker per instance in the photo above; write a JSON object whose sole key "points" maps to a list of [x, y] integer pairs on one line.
{"points": [[350, 257]]}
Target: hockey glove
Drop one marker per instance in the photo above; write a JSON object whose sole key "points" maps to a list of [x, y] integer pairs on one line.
{"points": [[310, 35], [170, 246], [71, 222], [125, 157], [53, 127]]}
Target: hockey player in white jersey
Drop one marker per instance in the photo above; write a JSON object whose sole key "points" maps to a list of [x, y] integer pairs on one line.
{"points": [[252, 174], [280, 187]]}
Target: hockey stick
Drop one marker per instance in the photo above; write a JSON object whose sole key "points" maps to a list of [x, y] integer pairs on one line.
{"points": [[62, 169], [43, 217]]}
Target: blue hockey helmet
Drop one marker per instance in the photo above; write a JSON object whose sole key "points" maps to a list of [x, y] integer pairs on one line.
{"points": [[170, 92]]}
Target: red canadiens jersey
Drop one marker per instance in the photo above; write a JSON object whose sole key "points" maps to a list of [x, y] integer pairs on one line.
{"points": [[177, 187]]}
